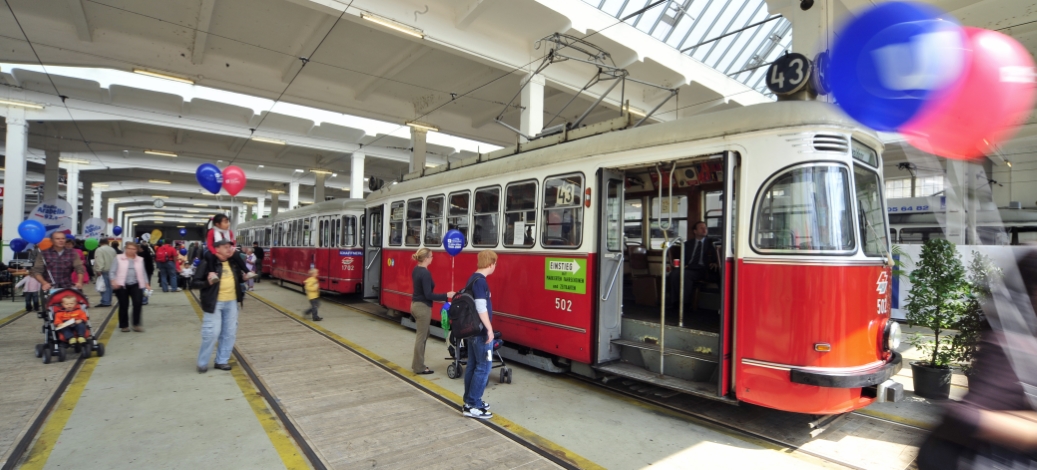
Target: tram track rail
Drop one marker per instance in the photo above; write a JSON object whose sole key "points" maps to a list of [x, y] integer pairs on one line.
{"points": [[30, 435], [777, 442]]}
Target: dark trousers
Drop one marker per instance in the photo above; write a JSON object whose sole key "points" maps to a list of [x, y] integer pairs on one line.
{"points": [[32, 301], [125, 294], [69, 332], [314, 305]]}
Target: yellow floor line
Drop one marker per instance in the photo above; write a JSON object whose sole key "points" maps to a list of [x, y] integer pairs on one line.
{"points": [[44, 445], [10, 318], [525, 434], [279, 438], [896, 419]]}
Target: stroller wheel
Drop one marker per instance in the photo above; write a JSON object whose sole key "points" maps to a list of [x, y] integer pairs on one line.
{"points": [[85, 353], [61, 354], [100, 350], [39, 350], [507, 375], [46, 356], [451, 371]]}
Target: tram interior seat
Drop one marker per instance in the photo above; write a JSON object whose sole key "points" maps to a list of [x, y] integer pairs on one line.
{"points": [[646, 286]]}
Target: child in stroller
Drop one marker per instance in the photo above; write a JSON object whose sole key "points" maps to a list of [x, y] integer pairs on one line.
{"points": [[66, 324]]}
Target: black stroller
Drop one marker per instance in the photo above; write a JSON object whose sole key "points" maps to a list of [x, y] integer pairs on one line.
{"points": [[55, 344], [459, 355]]}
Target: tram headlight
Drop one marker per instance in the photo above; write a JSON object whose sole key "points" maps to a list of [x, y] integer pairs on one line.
{"points": [[891, 337]]}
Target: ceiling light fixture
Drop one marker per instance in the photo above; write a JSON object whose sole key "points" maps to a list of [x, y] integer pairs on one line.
{"points": [[20, 104], [163, 213], [164, 76], [181, 226], [160, 153], [160, 181], [269, 141], [249, 203], [100, 185], [202, 205], [423, 127], [409, 30], [320, 172], [74, 160], [334, 175], [275, 191], [160, 197], [305, 202], [298, 170], [113, 200], [193, 211], [1009, 163]]}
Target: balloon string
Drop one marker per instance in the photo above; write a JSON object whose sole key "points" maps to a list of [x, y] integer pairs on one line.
{"points": [[451, 273]]}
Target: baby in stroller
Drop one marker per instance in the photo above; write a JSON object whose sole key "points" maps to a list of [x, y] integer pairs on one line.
{"points": [[67, 324], [70, 321]]}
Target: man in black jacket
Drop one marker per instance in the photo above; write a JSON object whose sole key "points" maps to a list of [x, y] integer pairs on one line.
{"points": [[700, 265], [258, 250], [220, 292]]}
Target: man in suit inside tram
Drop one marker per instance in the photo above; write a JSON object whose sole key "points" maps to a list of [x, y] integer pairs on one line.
{"points": [[700, 265]]}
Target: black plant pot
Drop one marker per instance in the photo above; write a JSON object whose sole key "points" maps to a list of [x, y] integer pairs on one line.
{"points": [[931, 382]]}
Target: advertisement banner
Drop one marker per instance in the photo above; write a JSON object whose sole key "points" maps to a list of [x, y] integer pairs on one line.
{"points": [[55, 214]]}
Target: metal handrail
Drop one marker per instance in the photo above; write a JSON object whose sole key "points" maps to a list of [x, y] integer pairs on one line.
{"points": [[373, 258], [615, 274]]}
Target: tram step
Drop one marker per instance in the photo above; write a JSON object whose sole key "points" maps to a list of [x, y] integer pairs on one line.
{"points": [[633, 372], [668, 352]]}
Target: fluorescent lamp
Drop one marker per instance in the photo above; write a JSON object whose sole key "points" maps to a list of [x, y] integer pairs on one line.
{"points": [[100, 185], [160, 197], [260, 166], [1009, 163], [163, 76], [249, 203], [305, 202], [194, 211], [202, 205], [21, 104], [74, 160], [394, 25], [160, 153], [275, 191], [181, 226], [298, 170], [160, 181], [113, 200], [269, 141], [334, 175], [423, 127], [163, 213], [320, 172]]}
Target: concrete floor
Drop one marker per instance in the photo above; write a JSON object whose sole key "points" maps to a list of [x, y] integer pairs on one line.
{"points": [[609, 430], [145, 406]]}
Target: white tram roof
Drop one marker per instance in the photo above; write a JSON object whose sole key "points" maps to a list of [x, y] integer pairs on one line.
{"points": [[598, 140], [334, 206]]}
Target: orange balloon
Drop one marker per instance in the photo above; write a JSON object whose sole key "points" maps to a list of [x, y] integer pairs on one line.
{"points": [[45, 244]]}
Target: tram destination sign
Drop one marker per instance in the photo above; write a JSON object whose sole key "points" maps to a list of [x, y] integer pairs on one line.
{"points": [[565, 275]]}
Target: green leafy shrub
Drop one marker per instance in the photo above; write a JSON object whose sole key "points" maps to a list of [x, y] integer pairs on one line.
{"points": [[937, 300]]}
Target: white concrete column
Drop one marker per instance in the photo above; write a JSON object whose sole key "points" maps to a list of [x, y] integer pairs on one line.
{"points": [[417, 142], [111, 215], [260, 207], [234, 214], [17, 145], [98, 195], [531, 122], [248, 212], [356, 176], [88, 197], [318, 187], [293, 195], [51, 174], [72, 192], [274, 203]]}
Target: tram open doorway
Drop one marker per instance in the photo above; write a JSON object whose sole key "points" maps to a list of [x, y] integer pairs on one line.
{"points": [[663, 264]]}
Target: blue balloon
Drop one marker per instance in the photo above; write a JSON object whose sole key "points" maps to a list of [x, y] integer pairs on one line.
{"points": [[19, 245], [196, 262], [183, 251], [116, 230], [889, 61], [70, 237], [210, 177], [453, 241], [32, 231], [183, 232]]}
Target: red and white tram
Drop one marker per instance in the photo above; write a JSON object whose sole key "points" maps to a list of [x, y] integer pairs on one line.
{"points": [[585, 223], [325, 235]]}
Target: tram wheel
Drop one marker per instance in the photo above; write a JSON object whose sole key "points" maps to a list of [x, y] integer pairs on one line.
{"points": [[39, 350], [451, 372], [46, 356]]}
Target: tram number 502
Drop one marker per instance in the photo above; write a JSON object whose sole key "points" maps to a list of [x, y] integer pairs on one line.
{"points": [[563, 305]]}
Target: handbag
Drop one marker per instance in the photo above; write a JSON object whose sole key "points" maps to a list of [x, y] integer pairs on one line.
{"points": [[100, 285]]}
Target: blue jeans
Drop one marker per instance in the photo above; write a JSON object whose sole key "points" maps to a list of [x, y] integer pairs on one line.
{"points": [[477, 374], [32, 301], [106, 296], [222, 324], [167, 276]]}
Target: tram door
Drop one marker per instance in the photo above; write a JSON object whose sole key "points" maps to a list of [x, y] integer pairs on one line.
{"points": [[610, 263], [373, 252]]}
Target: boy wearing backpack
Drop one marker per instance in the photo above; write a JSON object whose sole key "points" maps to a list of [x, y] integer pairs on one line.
{"points": [[480, 346]]}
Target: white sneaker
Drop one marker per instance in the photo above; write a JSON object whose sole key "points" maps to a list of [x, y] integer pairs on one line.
{"points": [[250, 276], [478, 413], [179, 289]]}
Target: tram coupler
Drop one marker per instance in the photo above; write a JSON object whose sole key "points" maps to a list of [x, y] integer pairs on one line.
{"points": [[889, 391]]}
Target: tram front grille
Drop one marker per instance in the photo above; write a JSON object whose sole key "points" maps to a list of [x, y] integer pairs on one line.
{"points": [[831, 143]]}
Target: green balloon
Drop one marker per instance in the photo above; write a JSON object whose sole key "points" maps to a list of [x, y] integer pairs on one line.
{"points": [[90, 244]]}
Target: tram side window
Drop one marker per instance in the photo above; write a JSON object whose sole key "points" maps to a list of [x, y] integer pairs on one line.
{"points": [[413, 237], [434, 221], [806, 209], [457, 216], [266, 237], [348, 230], [871, 216], [669, 219], [396, 224], [714, 210], [487, 217], [520, 214], [633, 216], [336, 229], [918, 236], [322, 238], [563, 212], [376, 229]]}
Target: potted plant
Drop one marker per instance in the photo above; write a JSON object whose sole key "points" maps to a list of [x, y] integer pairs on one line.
{"points": [[936, 300], [972, 322]]}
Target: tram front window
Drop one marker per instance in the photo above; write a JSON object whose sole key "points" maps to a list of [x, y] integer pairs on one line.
{"points": [[806, 209], [871, 217]]}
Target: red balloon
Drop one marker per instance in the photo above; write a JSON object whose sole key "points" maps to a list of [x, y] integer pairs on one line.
{"points": [[993, 96], [233, 180]]}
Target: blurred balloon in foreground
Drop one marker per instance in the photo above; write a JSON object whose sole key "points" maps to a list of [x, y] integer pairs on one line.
{"points": [[993, 95], [45, 244], [889, 61]]}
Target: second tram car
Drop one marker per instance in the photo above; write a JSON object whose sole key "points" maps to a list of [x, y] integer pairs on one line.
{"points": [[793, 314]]}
